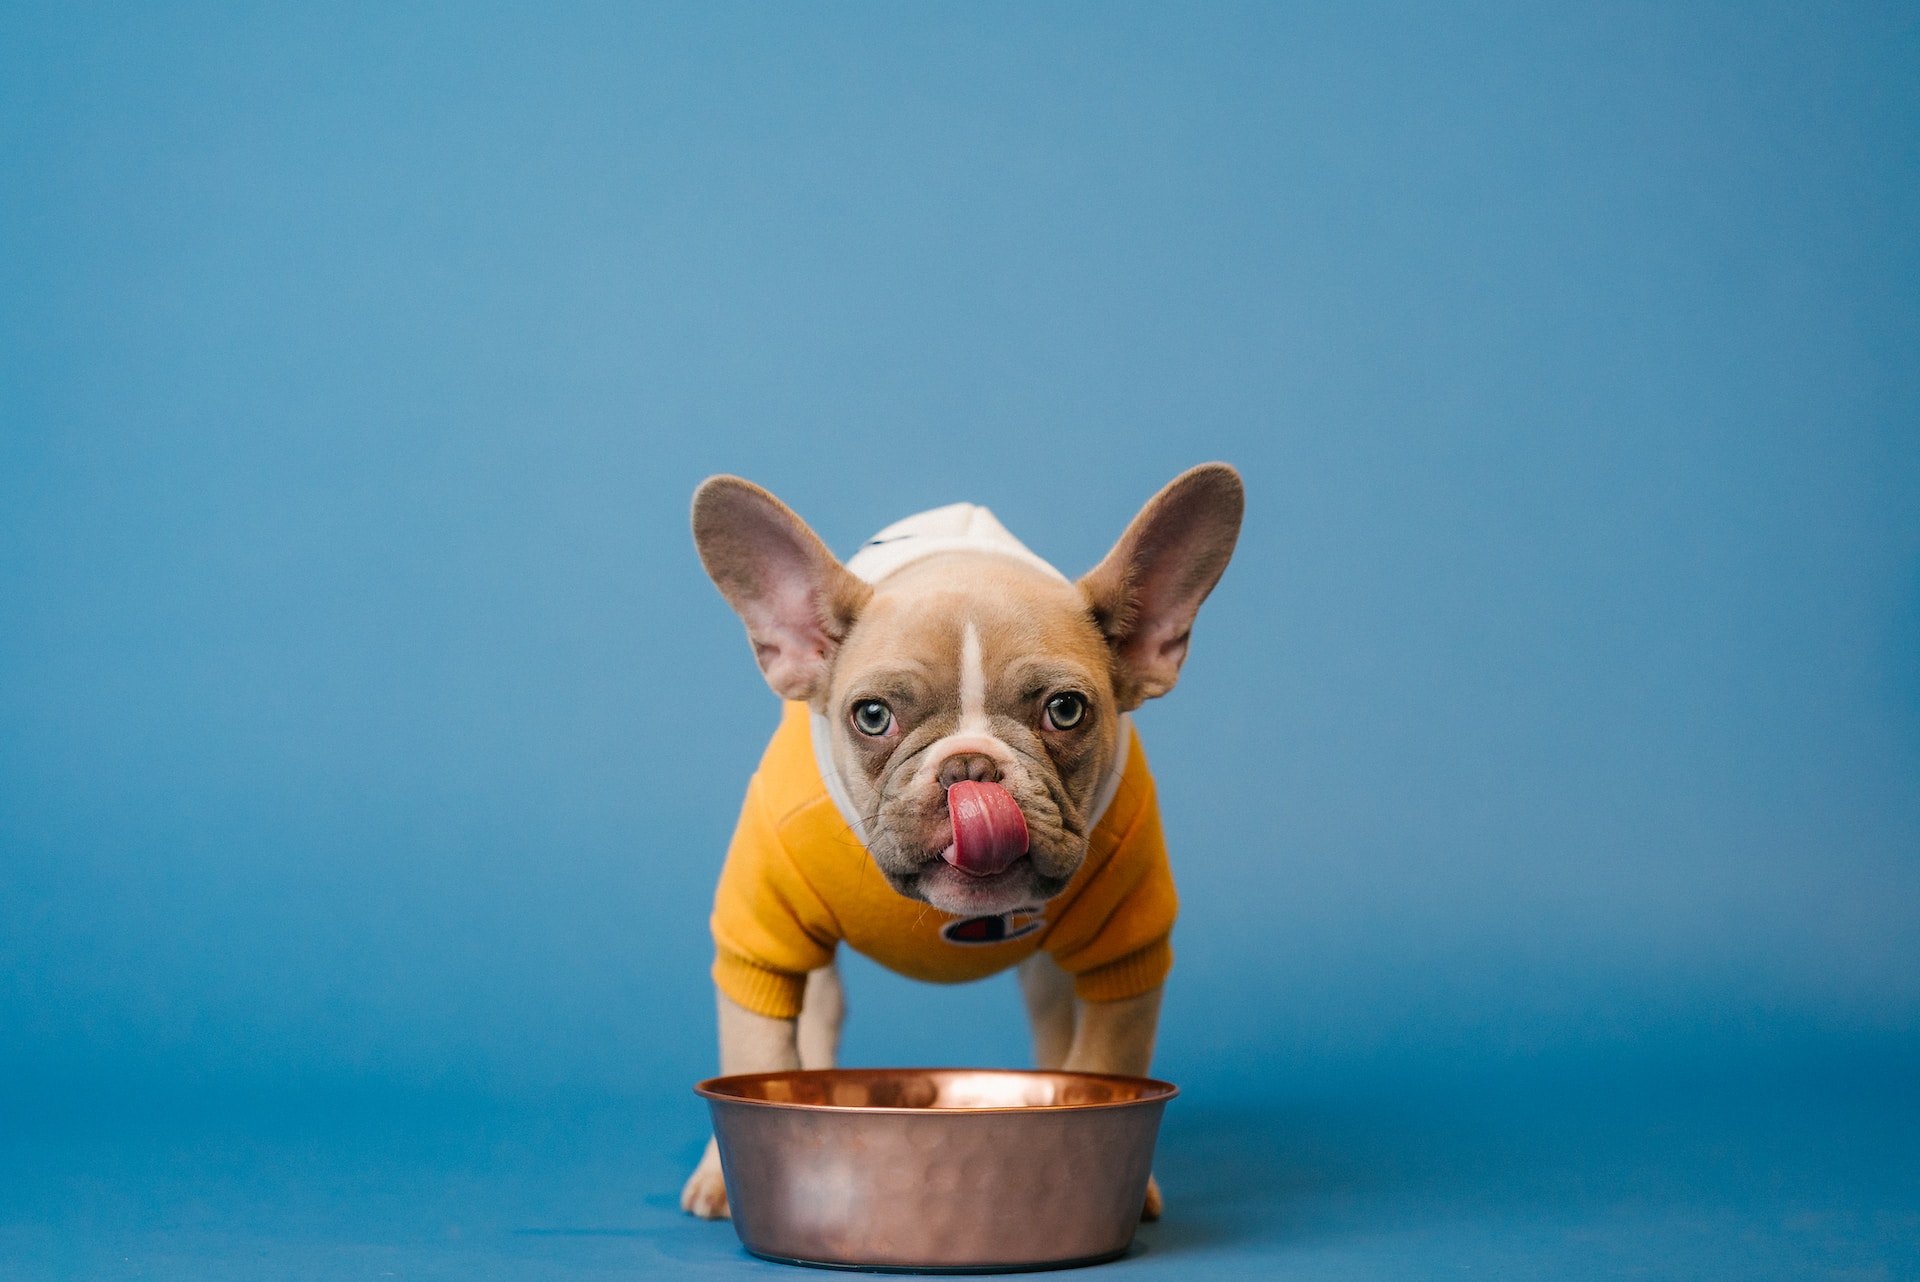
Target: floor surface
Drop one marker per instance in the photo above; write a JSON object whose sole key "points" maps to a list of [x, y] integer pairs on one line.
{"points": [[1508, 1175]]}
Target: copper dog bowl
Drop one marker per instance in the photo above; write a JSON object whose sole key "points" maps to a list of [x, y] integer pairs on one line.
{"points": [[936, 1170]]}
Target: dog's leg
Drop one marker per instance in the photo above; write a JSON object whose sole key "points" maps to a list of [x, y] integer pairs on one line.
{"points": [[822, 1011], [749, 1043], [1049, 994], [1117, 1037]]}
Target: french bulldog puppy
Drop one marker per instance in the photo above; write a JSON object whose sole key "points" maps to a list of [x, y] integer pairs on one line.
{"points": [[956, 787]]}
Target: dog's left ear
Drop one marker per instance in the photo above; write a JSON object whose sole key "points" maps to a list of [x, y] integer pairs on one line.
{"points": [[797, 601], [1148, 590]]}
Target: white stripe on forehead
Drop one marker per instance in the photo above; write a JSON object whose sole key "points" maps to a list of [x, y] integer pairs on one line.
{"points": [[973, 685]]}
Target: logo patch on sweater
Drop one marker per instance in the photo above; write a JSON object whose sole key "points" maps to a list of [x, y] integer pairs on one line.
{"points": [[997, 929]]}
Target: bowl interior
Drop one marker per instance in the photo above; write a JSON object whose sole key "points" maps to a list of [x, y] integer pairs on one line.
{"points": [[935, 1089]]}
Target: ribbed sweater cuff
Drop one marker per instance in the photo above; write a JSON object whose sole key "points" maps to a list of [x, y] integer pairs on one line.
{"points": [[772, 993], [1138, 972]]}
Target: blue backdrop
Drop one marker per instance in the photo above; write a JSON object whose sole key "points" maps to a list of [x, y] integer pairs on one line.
{"points": [[366, 722]]}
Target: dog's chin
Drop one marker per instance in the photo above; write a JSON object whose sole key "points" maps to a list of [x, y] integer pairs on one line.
{"points": [[953, 891], [963, 894]]}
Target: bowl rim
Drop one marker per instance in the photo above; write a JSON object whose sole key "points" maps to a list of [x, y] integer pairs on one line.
{"points": [[713, 1089]]}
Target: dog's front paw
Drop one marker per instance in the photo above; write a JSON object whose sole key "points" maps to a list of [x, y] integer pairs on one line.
{"points": [[1151, 1211], [705, 1194]]}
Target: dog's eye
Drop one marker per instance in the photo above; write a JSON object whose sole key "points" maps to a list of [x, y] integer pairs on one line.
{"points": [[1065, 711], [872, 717]]}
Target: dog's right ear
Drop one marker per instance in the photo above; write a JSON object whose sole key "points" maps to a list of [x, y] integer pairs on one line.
{"points": [[797, 601]]}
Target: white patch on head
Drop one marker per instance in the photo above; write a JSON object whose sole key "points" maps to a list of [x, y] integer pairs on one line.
{"points": [[973, 685], [974, 731]]}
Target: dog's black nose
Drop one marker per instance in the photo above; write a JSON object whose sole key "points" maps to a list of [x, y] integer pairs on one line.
{"points": [[968, 765]]}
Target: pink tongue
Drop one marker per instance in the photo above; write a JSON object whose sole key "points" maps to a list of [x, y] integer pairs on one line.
{"points": [[989, 832]]}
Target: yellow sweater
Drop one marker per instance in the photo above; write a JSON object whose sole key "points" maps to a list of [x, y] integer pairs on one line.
{"points": [[797, 882]]}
